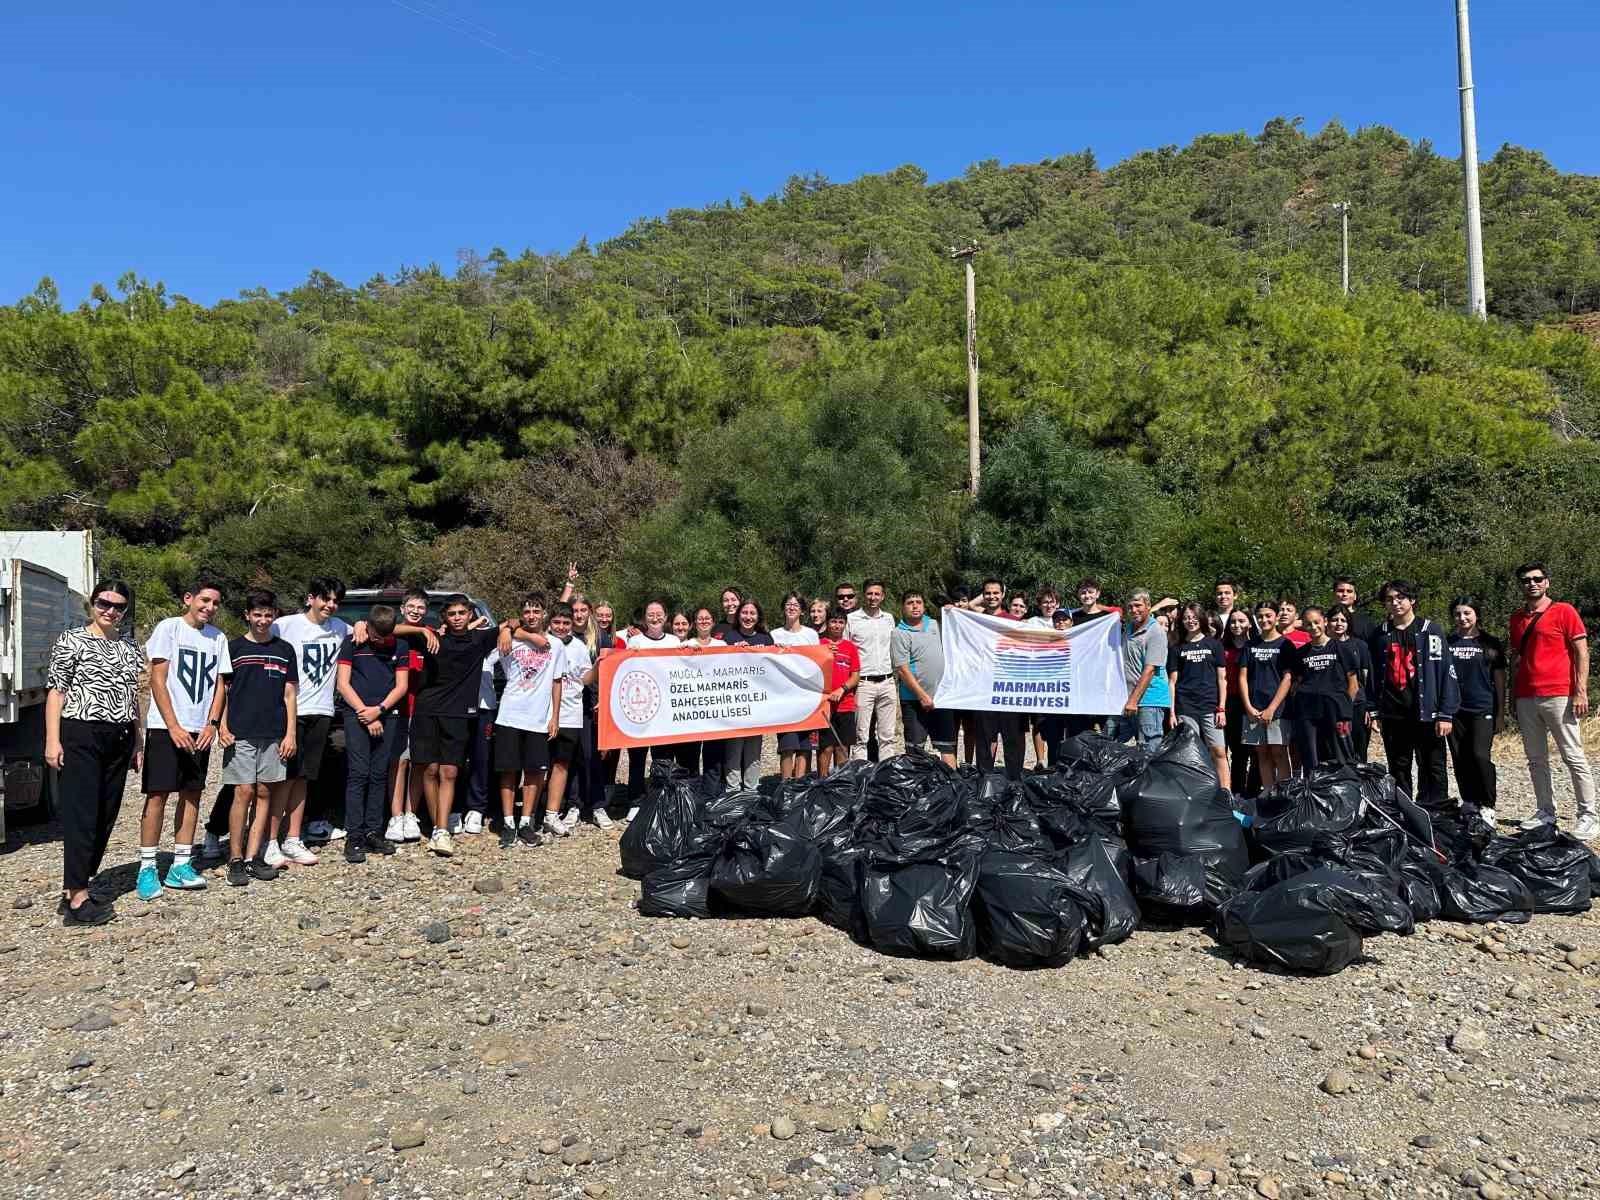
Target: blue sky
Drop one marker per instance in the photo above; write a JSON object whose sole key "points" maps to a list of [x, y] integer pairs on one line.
{"points": [[229, 146]]}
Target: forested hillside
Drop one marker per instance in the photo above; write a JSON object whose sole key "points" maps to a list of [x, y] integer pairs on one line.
{"points": [[773, 391]]}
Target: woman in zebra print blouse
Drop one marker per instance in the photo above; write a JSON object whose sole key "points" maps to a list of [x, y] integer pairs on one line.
{"points": [[92, 736]]}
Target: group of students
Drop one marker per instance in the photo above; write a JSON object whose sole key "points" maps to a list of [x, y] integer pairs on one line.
{"points": [[1271, 691]]}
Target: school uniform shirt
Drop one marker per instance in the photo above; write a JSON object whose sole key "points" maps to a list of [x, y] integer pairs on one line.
{"points": [[196, 661], [846, 662], [316, 648], [804, 636], [756, 638], [1322, 675], [872, 636], [451, 676], [1544, 663], [1264, 666], [256, 707], [372, 665], [643, 641], [1476, 660], [575, 664], [1196, 665], [1361, 659], [530, 674]]}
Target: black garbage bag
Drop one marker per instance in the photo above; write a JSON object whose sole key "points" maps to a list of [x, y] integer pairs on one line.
{"points": [[1420, 873], [1009, 822], [838, 883], [1481, 893], [823, 816], [722, 812], [1088, 794], [1175, 806], [778, 801], [922, 908], [1026, 913], [667, 827], [1291, 925], [1098, 869], [773, 870], [928, 821], [1318, 812], [1369, 904], [1554, 866], [1460, 841], [1103, 756], [897, 784], [1171, 886], [680, 889]]}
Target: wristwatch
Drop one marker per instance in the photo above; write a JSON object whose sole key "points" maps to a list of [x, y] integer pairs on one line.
{"points": [[215, 724]]}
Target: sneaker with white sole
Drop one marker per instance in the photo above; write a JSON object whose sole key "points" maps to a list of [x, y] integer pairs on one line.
{"points": [[320, 831], [570, 818], [554, 826], [395, 830], [452, 823], [297, 852], [412, 828], [1587, 828], [273, 855], [1538, 821], [603, 819], [473, 823], [213, 847], [633, 813], [442, 843], [336, 834]]}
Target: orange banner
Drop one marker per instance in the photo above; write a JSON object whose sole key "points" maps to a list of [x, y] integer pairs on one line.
{"points": [[697, 694]]}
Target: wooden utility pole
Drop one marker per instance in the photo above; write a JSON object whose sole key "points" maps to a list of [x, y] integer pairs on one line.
{"points": [[966, 256], [1343, 209]]}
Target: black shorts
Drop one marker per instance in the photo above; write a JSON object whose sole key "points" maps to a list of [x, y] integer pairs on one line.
{"points": [[565, 749], [520, 750], [440, 739], [168, 769], [840, 732], [936, 726], [310, 743], [796, 741]]}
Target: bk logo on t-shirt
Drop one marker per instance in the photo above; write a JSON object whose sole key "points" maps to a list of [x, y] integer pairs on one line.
{"points": [[197, 673], [316, 660]]}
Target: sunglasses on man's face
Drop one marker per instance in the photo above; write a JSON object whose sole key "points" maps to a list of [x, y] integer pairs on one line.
{"points": [[1527, 579], [110, 606], [844, 595]]}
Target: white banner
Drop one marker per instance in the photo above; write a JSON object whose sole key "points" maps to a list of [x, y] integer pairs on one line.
{"points": [[692, 694], [997, 664]]}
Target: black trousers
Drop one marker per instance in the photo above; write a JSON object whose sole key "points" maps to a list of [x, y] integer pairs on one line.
{"points": [[366, 778], [221, 810], [1406, 741], [1319, 743], [1471, 739], [1243, 771], [1012, 729], [89, 796], [1361, 737]]}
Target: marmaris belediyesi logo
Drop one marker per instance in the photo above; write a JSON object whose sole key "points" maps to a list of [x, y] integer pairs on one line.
{"points": [[1031, 654]]}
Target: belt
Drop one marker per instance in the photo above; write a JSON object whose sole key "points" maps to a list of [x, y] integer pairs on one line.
{"points": [[876, 678]]}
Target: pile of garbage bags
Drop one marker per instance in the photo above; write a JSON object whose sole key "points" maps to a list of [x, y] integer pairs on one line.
{"points": [[916, 858]]}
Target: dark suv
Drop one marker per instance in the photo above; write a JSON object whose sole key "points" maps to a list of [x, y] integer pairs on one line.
{"points": [[358, 602]]}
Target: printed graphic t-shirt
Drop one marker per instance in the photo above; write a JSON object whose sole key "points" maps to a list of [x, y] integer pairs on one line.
{"points": [[196, 659], [316, 649]]}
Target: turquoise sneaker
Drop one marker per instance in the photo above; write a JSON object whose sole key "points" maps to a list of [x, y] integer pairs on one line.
{"points": [[183, 877], [149, 886]]}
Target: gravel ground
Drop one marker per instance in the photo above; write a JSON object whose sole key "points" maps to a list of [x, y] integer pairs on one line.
{"points": [[505, 1024]]}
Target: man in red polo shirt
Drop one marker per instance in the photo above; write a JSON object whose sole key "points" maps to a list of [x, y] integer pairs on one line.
{"points": [[1550, 648]]}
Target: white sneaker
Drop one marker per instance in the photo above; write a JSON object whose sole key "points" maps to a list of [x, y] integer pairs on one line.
{"points": [[1538, 821], [473, 823], [1488, 816], [602, 819], [452, 823], [272, 855], [322, 831], [395, 830], [554, 826], [296, 852], [442, 843], [632, 813], [335, 834], [1587, 828], [412, 828], [213, 846], [570, 818]]}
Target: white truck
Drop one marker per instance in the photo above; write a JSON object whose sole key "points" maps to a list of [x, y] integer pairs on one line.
{"points": [[45, 577]]}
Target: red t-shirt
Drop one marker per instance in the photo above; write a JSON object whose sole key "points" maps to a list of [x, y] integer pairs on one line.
{"points": [[1230, 661], [1544, 668], [1297, 637], [846, 662]]}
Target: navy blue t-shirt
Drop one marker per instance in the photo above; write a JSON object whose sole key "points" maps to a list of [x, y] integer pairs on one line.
{"points": [[1195, 664], [1324, 674], [256, 707], [1476, 660], [1265, 664], [372, 665]]}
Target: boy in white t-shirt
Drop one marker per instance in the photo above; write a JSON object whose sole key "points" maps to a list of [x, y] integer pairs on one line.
{"points": [[188, 657], [577, 672], [316, 635], [527, 724]]}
